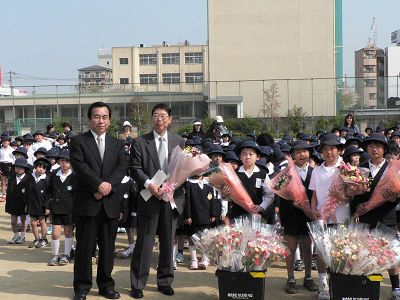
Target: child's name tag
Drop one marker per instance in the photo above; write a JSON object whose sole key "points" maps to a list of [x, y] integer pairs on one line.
{"points": [[258, 183]]}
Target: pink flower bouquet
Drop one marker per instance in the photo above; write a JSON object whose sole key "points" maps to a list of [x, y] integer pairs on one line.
{"points": [[348, 182], [238, 193], [388, 184], [288, 185], [183, 163], [354, 250]]}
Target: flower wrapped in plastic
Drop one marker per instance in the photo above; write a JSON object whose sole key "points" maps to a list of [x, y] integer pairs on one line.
{"points": [[183, 163], [238, 194], [352, 249], [288, 185], [348, 181], [388, 185], [246, 245]]}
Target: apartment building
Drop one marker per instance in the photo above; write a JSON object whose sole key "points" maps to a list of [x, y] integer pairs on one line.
{"points": [[370, 81], [94, 76]]}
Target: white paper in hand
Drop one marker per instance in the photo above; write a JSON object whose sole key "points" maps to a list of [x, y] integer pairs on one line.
{"points": [[157, 179]]}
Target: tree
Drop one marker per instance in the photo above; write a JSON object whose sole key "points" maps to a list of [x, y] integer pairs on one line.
{"points": [[321, 124], [295, 118], [338, 120], [349, 99], [270, 107], [139, 113]]}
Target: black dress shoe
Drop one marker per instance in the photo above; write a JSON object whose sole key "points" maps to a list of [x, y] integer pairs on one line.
{"points": [[79, 297], [137, 293], [110, 294], [166, 290]]}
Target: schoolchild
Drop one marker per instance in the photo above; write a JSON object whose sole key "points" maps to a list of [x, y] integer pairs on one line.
{"points": [[61, 199], [376, 145], [61, 142], [320, 182], [201, 210], [52, 155], [37, 201], [27, 143], [128, 220], [294, 221], [233, 159], [253, 179], [6, 160], [393, 151], [15, 205], [352, 155]]}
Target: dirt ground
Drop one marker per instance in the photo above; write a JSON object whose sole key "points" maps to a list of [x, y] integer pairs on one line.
{"points": [[24, 274]]}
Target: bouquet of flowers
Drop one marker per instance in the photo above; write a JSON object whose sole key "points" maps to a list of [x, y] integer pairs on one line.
{"points": [[246, 245], [288, 185], [389, 184], [347, 182], [238, 194], [183, 163], [354, 250]]}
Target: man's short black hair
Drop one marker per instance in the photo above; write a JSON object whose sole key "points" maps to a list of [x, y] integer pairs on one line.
{"points": [[98, 104], [163, 106]]}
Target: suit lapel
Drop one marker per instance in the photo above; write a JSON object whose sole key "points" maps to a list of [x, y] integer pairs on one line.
{"points": [[171, 144], [91, 143], [152, 149]]}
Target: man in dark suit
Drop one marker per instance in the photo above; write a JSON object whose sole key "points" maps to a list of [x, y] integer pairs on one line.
{"points": [[100, 163], [149, 154]]}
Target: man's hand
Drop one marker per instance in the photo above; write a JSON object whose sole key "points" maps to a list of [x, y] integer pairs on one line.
{"points": [[98, 195], [47, 211], [225, 219], [212, 219], [105, 188], [154, 190], [188, 221]]}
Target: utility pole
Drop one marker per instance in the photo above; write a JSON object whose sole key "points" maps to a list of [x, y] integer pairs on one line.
{"points": [[12, 90]]}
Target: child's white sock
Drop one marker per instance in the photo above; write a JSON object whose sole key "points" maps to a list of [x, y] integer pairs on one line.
{"points": [[131, 245], [297, 253], [28, 219], [192, 251], [19, 220], [16, 234], [55, 246], [322, 278], [68, 245], [22, 235], [174, 252]]}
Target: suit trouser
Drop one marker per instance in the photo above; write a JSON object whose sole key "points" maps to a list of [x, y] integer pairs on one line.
{"points": [[165, 220], [102, 229]]}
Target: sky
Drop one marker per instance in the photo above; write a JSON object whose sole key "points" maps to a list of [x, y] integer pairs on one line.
{"points": [[47, 41]]}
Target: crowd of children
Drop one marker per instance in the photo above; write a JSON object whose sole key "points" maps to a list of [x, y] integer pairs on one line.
{"points": [[38, 184]]}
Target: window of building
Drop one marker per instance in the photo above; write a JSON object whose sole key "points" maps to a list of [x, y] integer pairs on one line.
{"points": [[97, 74], [124, 81], [87, 74], [69, 112], [171, 58], [372, 96], [171, 78], [194, 58], [193, 77], [43, 113], [123, 61], [369, 82], [148, 59], [182, 109], [148, 78], [369, 54], [369, 69], [227, 111]]}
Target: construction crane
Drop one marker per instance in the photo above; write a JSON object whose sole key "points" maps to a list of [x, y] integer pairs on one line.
{"points": [[372, 34]]}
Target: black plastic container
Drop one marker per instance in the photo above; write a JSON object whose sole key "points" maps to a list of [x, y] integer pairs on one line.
{"points": [[351, 287], [241, 285]]}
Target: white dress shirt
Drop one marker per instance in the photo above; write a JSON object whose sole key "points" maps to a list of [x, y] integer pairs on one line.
{"points": [[37, 179], [63, 177], [19, 178], [103, 138], [302, 172], [375, 169], [156, 139], [6, 155]]}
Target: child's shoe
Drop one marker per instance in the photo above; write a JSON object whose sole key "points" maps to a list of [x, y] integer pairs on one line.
{"points": [[126, 253], [34, 243], [204, 264], [14, 239], [64, 260], [21, 240], [3, 198], [180, 258], [298, 265], [54, 261], [50, 230], [194, 265], [42, 243]]}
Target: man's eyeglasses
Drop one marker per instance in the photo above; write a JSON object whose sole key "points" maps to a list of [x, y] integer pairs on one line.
{"points": [[162, 116], [98, 117]]}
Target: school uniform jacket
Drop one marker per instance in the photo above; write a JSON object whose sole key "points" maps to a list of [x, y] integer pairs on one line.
{"points": [[291, 215], [200, 203], [16, 193], [61, 194], [129, 194], [36, 195], [385, 213]]}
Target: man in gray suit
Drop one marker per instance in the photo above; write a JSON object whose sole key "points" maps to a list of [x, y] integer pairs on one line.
{"points": [[149, 154]]}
